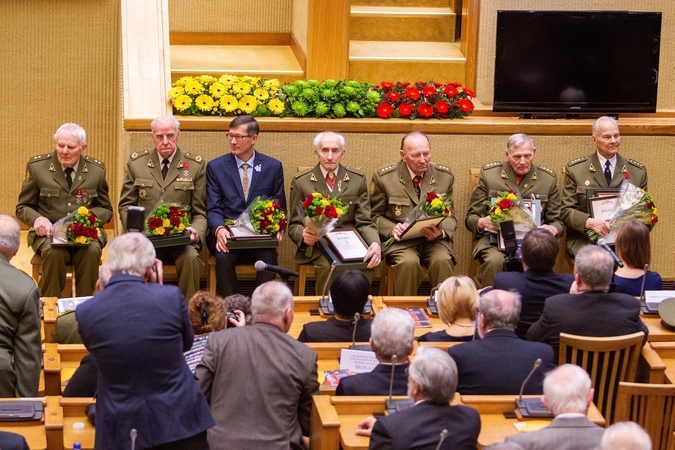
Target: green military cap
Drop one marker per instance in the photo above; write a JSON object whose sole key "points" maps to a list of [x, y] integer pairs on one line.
{"points": [[667, 313]]}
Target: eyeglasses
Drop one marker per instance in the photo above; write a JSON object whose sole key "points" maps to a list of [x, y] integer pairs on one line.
{"points": [[237, 137]]}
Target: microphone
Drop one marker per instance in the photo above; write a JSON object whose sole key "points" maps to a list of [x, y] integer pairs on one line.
{"points": [[537, 363], [391, 378], [133, 435], [285, 274], [444, 435], [390, 404], [531, 407], [603, 243], [642, 288], [326, 304]]}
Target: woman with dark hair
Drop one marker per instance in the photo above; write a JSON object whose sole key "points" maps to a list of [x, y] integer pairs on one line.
{"points": [[633, 248], [349, 293], [457, 307]]}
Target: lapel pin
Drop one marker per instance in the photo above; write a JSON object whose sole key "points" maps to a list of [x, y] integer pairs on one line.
{"points": [[591, 168], [587, 182], [51, 168], [258, 168]]}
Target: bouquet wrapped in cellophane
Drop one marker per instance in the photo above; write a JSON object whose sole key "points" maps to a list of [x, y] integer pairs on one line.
{"points": [[263, 216], [434, 205], [321, 213], [167, 219], [509, 206], [79, 227]]}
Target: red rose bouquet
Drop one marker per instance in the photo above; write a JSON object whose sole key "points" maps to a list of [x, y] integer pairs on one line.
{"points": [[434, 205], [321, 214], [509, 206], [167, 219], [79, 227], [263, 216], [424, 99]]}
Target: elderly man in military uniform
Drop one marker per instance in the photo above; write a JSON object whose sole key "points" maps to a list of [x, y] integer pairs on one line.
{"points": [[603, 169], [331, 179], [166, 174], [395, 191], [527, 180], [56, 185]]}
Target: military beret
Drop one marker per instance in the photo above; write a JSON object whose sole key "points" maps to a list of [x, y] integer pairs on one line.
{"points": [[667, 313]]}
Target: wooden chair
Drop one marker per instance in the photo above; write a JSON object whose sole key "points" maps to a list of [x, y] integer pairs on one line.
{"points": [[608, 360], [652, 406], [304, 270]]}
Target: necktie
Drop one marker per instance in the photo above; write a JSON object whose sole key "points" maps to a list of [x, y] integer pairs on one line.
{"points": [[69, 176], [330, 180], [165, 167], [416, 182], [608, 173], [244, 180]]}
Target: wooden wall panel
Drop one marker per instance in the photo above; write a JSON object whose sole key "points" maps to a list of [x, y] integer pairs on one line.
{"points": [[328, 39]]}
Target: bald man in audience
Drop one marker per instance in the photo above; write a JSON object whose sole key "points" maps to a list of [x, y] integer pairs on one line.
{"points": [[392, 335], [625, 436], [567, 394]]}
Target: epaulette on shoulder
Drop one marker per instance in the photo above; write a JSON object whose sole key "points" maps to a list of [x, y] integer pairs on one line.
{"points": [[577, 161], [94, 161], [443, 168], [637, 164], [303, 172], [386, 169], [194, 157], [136, 155], [353, 170], [547, 170], [492, 165], [39, 158]]}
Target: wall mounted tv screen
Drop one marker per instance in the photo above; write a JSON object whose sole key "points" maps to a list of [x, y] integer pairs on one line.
{"points": [[576, 62]]}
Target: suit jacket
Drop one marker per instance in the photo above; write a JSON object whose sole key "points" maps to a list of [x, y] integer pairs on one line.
{"points": [[19, 333], [137, 333], [259, 382], [564, 433], [540, 182], [534, 288], [66, 330], [45, 192], [592, 313], [12, 441], [350, 187], [144, 185], [499, 363], [333, 330], [375, 382], [420, 427], [586, 172], [393, 197], [224, 194]]}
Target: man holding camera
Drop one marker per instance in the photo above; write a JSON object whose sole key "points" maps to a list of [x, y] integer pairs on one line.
{"points": [[519, 175]]}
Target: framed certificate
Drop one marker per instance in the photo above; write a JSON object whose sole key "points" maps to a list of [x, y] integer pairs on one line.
{"points": [[414, 229], [604, 207], [534, 208], [347, 244]]}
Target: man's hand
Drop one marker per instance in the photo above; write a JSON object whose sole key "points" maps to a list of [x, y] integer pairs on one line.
{"points": [[157, 274], [365, 427], [194, 237], [42, 226], [241, 319], [309, 237], [485, 224], [221, 240], [600, 226], [280, 236], [374, 254], [396, 232], [550, 228], [432, 232]]}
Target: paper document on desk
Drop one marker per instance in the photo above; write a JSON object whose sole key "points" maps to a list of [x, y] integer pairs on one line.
{"points": [[531, 425], [69, 304], [357, 361], [653, 298]]}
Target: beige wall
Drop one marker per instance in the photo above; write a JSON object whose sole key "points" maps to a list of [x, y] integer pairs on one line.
{"points": [[232, 16], [299, 22]]}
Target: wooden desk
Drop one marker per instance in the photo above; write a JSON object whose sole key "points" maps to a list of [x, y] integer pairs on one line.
{"points": [[73, 411], [657, 333], [661, 361], [49, 314], [60, 362], [329, 359], [301, 313], [40, 435], [409, 302]]}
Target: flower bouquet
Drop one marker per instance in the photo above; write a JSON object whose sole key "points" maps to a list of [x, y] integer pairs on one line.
{"points": [[79, 227], [424, 100], [263, 216], [509, 206], [332, 99], [167, 219], [321, 214], [434, 205]]}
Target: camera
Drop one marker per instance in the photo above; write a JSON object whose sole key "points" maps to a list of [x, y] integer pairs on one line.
{"points": [[511, 263], [233, 316]]}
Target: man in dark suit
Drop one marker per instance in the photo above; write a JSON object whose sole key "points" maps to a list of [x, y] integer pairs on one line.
{"points": [[538, 281], [432, 382], [392, 335], [258, 380], [12, 441], [137, 331], [567, 394], [233, 181], [592, 312], [498, 363]]}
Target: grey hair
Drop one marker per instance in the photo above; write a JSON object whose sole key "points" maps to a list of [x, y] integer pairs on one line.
{"points": [[498, 314], [596, 124], [104, 275], [10, 235], [436, 374], [317, 139], [166, 117], [518, 139], [271, 299], [130, 253], [595, 266], [625, 436], [393, 333], [72, 129], [566, 389]]}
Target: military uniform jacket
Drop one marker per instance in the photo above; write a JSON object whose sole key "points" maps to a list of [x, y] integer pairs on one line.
{"points": [[393, 197], [539, 182], [144, 185], [350, 187], [586, 172], [45, 192]]}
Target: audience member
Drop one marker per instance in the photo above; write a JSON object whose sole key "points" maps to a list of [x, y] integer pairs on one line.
{"points": [[20, 345], [12, 441], [504, 446], [498, 363], [432, 380], [567, 394], [538, 281], [625, 436], [331, 179], [57, 184], [349, 293], [392, 334], [137, 331], [457, 301], [592, 312], [634, 249], [258, 380], [396, 190], [242, 303]]}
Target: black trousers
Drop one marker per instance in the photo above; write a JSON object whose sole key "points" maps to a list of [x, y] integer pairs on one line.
{"points": [[226, 277]]}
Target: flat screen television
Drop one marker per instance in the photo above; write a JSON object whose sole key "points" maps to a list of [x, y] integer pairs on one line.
{"points": [[576, 62]]}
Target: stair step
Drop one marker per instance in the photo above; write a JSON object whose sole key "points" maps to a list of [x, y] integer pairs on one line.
{"points": [[421, 3], [377, 61], [268, 61], [396, 23]]}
